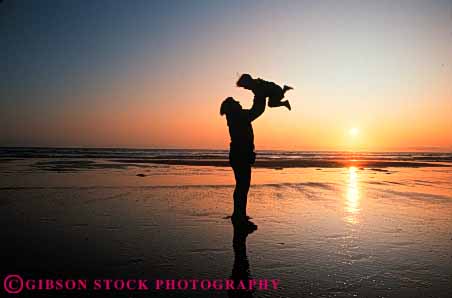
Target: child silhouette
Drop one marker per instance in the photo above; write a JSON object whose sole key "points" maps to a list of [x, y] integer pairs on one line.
{"points": [[271, 90]]}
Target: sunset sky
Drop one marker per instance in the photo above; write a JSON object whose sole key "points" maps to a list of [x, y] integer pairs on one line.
{"points": [[368, 75]]}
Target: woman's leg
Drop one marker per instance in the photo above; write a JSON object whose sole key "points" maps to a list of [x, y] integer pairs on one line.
{"points": [[242, 174]]}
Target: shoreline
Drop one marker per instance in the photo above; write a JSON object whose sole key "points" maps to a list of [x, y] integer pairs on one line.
{"points": [[85, 163], [289, 163]]}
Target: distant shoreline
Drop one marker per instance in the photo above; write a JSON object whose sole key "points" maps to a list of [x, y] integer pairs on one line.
{"points": [[434, 150], [280, 164], [61, 164], [57, 159]]}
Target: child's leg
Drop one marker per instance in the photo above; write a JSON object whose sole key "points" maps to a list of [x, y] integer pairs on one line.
{"points": [[286, 88], [286, 103], [274, 102]]}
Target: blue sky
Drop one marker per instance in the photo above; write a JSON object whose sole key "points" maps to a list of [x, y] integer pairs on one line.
{"points": [[68, 67]]}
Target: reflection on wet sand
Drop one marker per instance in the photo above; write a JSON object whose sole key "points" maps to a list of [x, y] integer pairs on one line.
{"points": [[352, 202], [353, 232], [241, 267]]}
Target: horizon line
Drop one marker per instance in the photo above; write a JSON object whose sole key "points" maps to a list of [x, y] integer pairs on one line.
{"points": [[389, 150]]}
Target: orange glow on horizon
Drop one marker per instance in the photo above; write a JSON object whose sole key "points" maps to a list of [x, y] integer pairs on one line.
{"points": [[369, 85]]}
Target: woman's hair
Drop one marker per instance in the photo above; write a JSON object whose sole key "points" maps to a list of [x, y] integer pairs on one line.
{"points": [[226, 105]]}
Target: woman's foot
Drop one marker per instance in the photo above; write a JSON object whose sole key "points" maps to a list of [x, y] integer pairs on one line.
{"points": [[238, 218], [244, 225]]}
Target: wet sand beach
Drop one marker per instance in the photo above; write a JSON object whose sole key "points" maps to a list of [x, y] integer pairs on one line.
{"points": [[323, 232]]}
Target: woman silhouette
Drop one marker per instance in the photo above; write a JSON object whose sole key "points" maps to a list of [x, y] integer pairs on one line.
{"points": [[241, 153]]}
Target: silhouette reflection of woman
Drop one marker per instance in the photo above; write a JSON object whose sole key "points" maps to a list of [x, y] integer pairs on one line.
{"points": [[241, 268], [241, 153]]}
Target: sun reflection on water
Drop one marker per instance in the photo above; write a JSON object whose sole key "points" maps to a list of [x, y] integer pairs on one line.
{"points": [[352, 200]]}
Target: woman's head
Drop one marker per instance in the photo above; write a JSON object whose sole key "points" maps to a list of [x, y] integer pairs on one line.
{"points": [[229, 105]]}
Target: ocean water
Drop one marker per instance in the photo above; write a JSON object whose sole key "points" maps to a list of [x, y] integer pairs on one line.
{"points": [[118, 153]]}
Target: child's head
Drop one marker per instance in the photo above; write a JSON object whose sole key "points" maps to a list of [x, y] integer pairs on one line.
{"points": [[245, 81]]}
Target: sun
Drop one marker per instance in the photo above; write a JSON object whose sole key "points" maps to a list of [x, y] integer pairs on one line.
{"points": [[354, 131]]}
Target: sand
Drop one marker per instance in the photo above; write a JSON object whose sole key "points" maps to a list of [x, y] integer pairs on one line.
{"points": [[323, 232]]}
